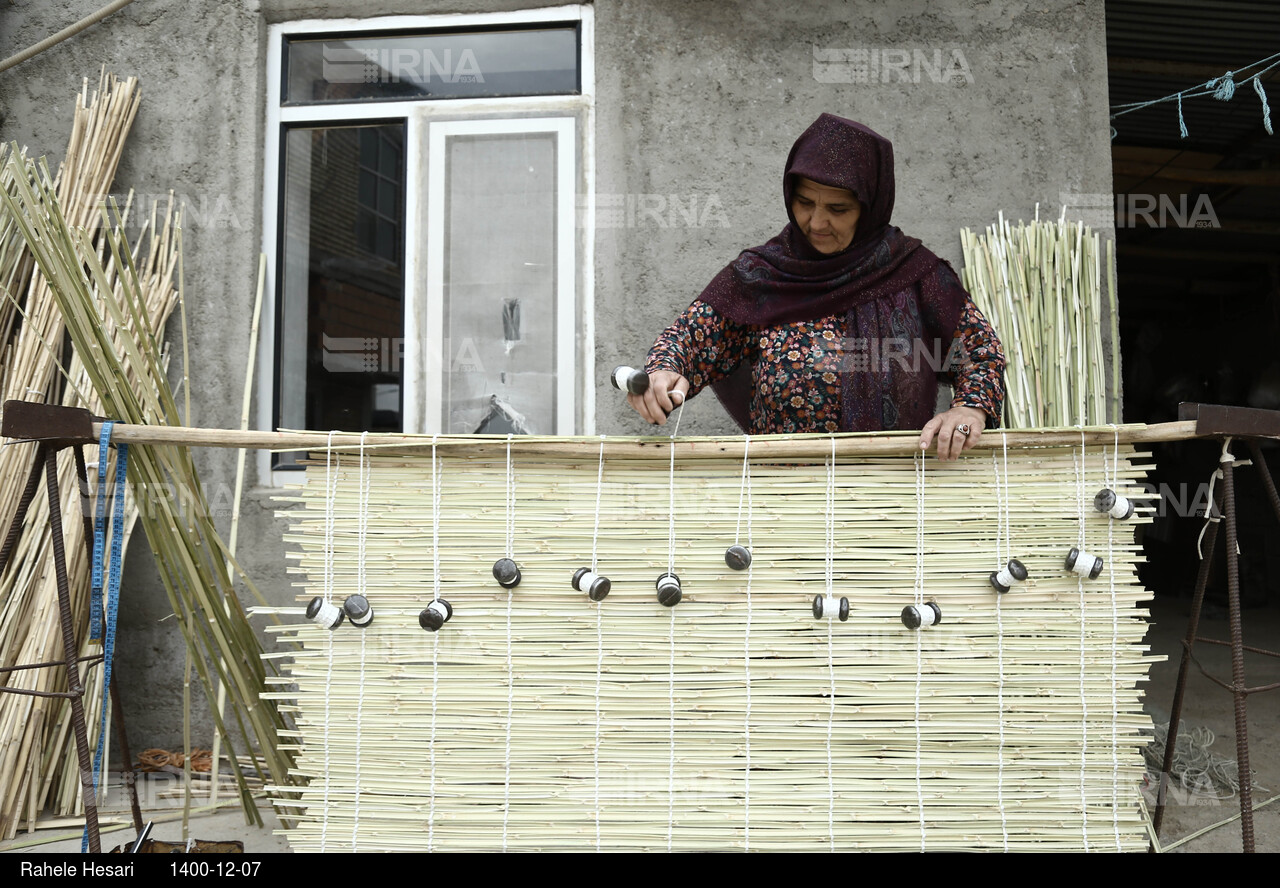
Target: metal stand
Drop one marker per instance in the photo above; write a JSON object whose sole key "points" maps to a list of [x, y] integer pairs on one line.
{"points": [[56, 428], [1249, 425]]}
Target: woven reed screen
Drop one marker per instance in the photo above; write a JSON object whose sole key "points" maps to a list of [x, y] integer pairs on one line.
{"points": [[537, 719]]}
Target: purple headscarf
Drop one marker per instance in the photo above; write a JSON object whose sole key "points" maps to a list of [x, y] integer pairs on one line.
{"points": [[886, 284]]}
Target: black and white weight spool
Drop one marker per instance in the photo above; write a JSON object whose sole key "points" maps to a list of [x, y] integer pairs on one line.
{"points": [[669, 592], [1083, 563], [737, 557], [1113, 504], [507, 573], [358, 611], [630, 380], [1004, 578], [830, 608], [596, 586], [435, 615], [917, 617], [324, 614]]}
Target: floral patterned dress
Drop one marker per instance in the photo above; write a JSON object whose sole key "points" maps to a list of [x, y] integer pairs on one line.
{"points": [[796, 367]]}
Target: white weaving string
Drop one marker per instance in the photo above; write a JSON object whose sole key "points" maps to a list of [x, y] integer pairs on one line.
{"points": [[1084, 704], [746, 644], [1209, 517], [671, 504], [831, 655], [671, 739], [595, 535], [742, 492], [511, 685], [920, 458], [595, 527], [362, 527], [435, 637], [332, 463], [671, 693], [1115, 635], [511, 504], [361, 587], [1002, 517]]}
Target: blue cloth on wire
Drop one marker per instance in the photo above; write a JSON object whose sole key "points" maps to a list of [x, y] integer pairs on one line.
{"points": [[100, 628]]}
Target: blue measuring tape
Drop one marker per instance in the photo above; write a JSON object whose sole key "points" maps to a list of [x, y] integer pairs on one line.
{"points": [[113, 581]]}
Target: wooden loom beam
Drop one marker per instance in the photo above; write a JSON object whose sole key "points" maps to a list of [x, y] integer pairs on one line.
{"points": [[805, 446]]}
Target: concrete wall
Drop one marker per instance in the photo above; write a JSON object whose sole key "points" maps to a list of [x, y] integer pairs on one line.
{"points": [[696, 100]]}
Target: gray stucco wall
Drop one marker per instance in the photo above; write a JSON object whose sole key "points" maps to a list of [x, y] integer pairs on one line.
{"points": [[696, 100]]}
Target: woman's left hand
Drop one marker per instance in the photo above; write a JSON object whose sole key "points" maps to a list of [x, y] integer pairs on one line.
{"points": [[957, 429]]}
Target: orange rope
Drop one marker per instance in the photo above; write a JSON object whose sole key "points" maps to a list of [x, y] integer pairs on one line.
{"points": [[163, 759]]}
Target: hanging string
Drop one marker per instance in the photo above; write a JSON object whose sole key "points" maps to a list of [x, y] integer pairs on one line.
{"points": [[435, 639], [511, 505], [435, 523], [1079, 460], [332, 464], [671, 505], [1266, 109], [595, 535], [511, 684], [831, 655], [742, 492], [103, 624], [332, 461], [362, 525], [671, 638], [1002, 518], [919, 457], [1222, 88], [1226, 86], [595, 527], [671, 738], [746, 642], [1112, 480], [511, 687], [829, 556], [361, 588], [1209, 517]]}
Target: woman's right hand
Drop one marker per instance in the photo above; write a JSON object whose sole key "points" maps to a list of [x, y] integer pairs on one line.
{"points": [[667, 391]]}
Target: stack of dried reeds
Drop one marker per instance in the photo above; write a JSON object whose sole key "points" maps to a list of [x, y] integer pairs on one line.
{"points": [[1041, 286], [112, 300], [38, 765]]}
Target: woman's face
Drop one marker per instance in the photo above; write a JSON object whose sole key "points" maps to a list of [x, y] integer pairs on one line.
{"points": [[828, 216]]}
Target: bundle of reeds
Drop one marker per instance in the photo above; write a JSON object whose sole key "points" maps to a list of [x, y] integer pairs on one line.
{"points": [[1041, 286], [38, 766], [106, 293], [15, 275], [536, 719]]}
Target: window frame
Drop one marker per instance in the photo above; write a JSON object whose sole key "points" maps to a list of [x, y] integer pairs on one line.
{"points": [[422, 118]]}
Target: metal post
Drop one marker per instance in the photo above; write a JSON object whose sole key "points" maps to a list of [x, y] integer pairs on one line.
{"points": [[1193, 626], [69, 651], [1238, 690]]}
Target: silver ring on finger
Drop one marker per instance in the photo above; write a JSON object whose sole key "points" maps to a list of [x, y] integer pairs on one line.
{"points": [[963, 429]]}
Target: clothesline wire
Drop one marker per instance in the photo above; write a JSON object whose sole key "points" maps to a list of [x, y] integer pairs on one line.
{"points": [[1209, 87], [1222, 88]]}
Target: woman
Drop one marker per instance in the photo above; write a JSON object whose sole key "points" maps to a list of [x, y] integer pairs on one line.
{"points": [[841, 322]]}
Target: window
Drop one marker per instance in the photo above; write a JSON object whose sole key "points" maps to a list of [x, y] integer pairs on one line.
{"points": [[427, 271]]}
